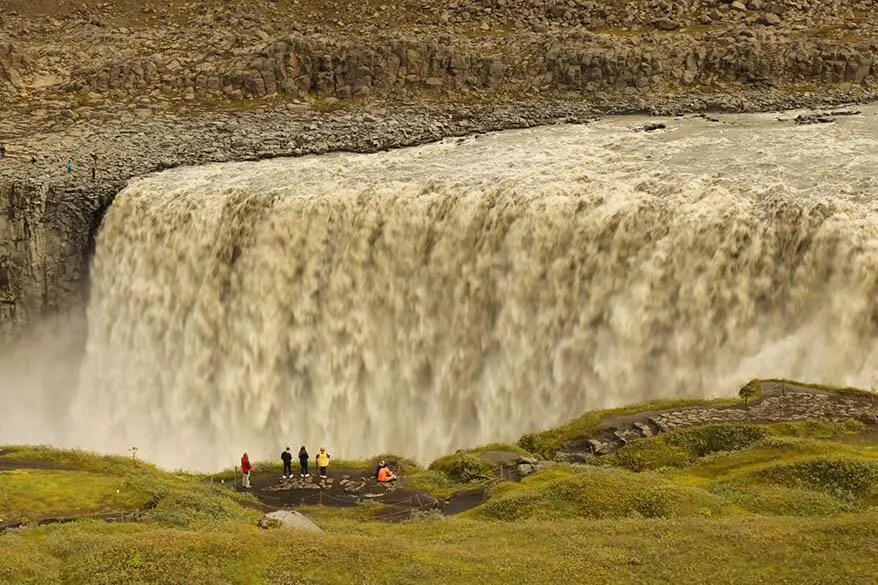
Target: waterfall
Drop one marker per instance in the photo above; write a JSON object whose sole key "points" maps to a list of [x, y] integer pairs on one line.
{"points": [[432, 298]]}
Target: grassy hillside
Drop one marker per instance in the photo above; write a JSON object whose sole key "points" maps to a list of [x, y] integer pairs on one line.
{"points": [[788, 503], [57, 484], [801, 469]]}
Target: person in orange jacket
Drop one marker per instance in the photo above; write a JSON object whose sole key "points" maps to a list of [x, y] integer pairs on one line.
{"points": [[385, 475], [245, 470]]}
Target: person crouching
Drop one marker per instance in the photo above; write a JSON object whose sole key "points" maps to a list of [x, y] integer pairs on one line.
{"points": [[385, 475]]}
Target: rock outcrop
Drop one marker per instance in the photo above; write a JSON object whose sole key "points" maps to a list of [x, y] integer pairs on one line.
{"points": [[46, 232], [780, 402], [396, 65], [192, 53]]}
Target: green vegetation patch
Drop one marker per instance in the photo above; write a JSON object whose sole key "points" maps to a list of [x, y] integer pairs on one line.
{"points": [[27, 562], [846, 479], [771, 500], [27, 494], [742, 503], [827, 551], [80, 460], [478, 464], [686, 446], [592, 492], [88, 483], [750, 391], [701, 441], [199, 509], [795, 468], [463, 467]]}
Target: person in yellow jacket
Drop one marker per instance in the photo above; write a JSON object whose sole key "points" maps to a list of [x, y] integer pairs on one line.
{"points": [[323, 461]]}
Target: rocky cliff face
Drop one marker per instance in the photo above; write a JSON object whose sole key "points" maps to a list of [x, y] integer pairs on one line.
{"points": [[298, 49], [580, 61], [45, 238]]}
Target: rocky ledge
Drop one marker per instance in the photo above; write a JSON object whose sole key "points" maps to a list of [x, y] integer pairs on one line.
{"points": [[780, 402]]}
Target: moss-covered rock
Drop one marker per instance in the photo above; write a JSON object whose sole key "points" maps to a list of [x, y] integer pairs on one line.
{"points": [[463, 467]]}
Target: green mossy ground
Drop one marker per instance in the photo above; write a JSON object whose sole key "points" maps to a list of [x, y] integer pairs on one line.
{"points": [[790, 503]]}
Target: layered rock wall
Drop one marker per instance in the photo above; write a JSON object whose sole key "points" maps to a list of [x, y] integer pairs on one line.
{"points": [[354, 69], [45, 238]]}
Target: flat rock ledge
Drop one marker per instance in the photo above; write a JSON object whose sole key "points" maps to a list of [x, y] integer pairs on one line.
{"points": [[780, 402]]}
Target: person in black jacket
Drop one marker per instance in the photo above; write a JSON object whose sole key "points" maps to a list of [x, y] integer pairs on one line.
{"points": [[303, 461], [287, 458]]}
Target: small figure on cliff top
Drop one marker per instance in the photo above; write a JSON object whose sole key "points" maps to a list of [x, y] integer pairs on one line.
{"points": [[303, 462], [287, 458], [68, 165], [245, 471], [94, 164]]}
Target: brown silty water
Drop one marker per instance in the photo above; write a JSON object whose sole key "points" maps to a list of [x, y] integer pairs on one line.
{"points": [[431, 298]]}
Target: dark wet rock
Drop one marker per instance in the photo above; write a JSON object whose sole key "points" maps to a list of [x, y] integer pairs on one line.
{"points": [[651, 127], [813, 119]]}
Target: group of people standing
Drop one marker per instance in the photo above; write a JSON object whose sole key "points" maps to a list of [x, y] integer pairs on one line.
{"points": [[323, 458]]}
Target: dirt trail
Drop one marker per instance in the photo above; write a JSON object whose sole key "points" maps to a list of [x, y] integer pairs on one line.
{"points": [[14, 464]]}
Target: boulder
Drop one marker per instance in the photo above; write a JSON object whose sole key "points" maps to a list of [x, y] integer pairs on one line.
{"points": [[769, 19], [667, 24], [650, 128], [288, 519], [596, 446]]}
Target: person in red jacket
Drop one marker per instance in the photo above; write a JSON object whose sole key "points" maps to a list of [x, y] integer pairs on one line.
{"points": [[245, 470]]}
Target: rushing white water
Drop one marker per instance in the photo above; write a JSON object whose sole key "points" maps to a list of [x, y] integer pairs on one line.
{"points": [[426, 299]]}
